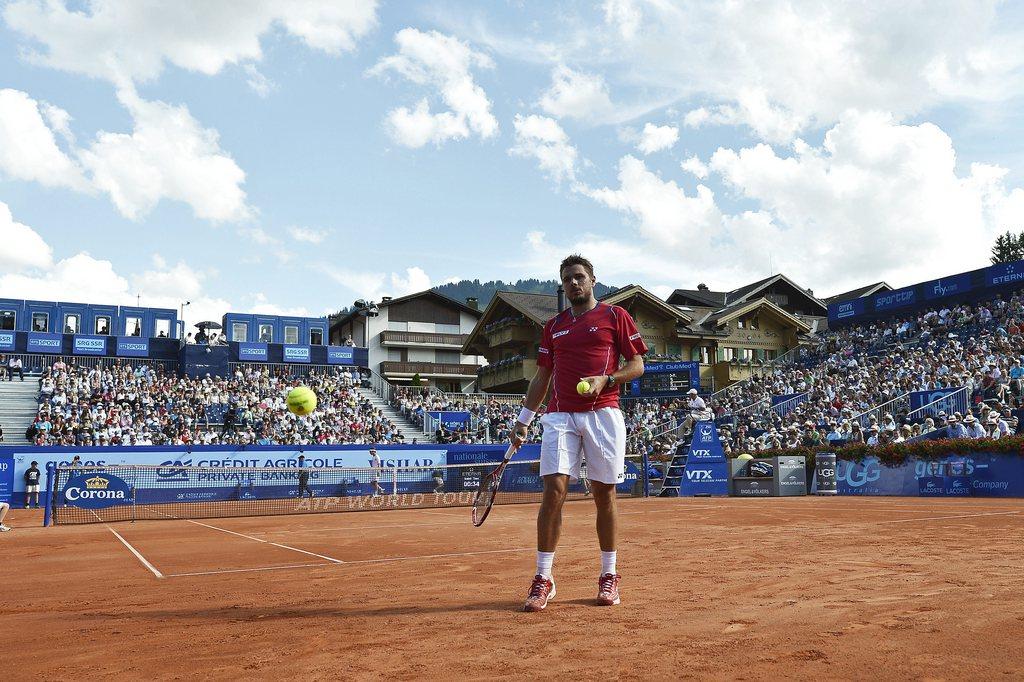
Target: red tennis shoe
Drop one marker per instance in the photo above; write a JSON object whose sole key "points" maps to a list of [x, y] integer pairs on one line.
{"points": [[608, 589], [541, 591]]}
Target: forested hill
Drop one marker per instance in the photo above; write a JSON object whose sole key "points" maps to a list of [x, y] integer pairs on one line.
{"points": [[484, 291]]}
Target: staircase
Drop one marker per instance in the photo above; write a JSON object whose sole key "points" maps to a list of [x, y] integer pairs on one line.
{"points": [[18, 407], [674, 473], [408, 428]]}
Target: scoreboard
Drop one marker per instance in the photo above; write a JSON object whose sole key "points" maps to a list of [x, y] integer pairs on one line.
{"points": [[666, 379]]}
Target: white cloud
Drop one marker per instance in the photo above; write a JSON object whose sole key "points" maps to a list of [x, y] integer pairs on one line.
{"points": [[662, 211], [782, 68], [695, 167], [257, 82], [127, 41], [541, 138], [374, 285], [574, 94], [624, 15], [22, 246], [446, 64], [258, 236], [28, 148], [657, 138], [85, 279], [752, 108], [307, 234], [263, 306], [878, 198], [167, 155]]}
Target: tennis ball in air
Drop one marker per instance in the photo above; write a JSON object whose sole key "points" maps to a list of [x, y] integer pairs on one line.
{"points": [[301, 400], [745, 456], [582, 387]]}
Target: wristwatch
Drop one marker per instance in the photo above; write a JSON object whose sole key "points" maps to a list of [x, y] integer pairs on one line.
{"points": [[611, 379]]}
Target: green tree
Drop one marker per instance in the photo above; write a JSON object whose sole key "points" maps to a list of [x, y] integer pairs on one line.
{"points": [[416, 380], [1009, 247]]}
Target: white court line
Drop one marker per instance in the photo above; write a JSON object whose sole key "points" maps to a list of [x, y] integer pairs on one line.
{"points": [[960, 516], [244, 570], [275, 544], [138, 555], [439, 513]]}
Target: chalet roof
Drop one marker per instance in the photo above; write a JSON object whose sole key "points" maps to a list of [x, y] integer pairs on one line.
{"points": [[859, 292]]}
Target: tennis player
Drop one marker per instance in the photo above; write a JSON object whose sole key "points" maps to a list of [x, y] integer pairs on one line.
{"points": [[375, 466], [304, 477], [584, 342]]}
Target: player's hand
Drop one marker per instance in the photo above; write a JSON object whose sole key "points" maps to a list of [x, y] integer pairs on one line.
{"points": [[519, 434], [597, 384]]}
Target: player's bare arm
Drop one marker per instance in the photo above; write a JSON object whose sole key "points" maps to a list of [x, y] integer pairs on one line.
{"points": [[534, 398], [632, 369]]}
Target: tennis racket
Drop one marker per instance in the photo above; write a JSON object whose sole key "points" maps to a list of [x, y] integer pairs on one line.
{"points": [[489, 485]]}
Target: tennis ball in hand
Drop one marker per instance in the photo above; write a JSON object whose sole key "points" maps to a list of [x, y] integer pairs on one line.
{"points": [[301, 400], [583, 387]]}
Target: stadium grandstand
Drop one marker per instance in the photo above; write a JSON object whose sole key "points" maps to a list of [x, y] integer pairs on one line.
{"points": [[777, 368]]}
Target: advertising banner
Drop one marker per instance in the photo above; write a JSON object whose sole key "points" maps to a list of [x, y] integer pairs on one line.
{"points": [[296, 354], [895, 299], [39, 342], [451, 420], [94, 490], [132, 347], [986, 475], [947, 286], [340, 355], [7, 340], [1004, 273], [173, 480], [706, 471], [919, 399], [784, 404], [89, 345], [6, 478], [252, 352], [841, 311]]}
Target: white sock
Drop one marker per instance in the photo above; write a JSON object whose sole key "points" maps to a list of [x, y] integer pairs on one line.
{"points": [[608, 562], [544, 562]]}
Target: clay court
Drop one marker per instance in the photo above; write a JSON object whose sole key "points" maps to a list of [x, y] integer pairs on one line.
{"points": [[728, 588]]}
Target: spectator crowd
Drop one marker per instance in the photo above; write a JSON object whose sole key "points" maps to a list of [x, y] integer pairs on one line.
{"points": [[848, 386], [122, 405]]}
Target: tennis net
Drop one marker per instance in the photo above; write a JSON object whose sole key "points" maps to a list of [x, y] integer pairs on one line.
{"points": [[147, 492]]}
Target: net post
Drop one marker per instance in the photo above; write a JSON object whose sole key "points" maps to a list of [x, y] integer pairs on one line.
{"points": [[51, 484], [394, 481], [643, 465]]}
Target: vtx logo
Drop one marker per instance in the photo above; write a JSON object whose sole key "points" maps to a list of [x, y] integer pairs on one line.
{"points": [[699, 475]]}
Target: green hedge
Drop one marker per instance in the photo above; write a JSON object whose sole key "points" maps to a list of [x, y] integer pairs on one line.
{"points": [[896, 454]]}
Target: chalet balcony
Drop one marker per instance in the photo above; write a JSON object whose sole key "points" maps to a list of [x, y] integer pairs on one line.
{"points": [[508, 376], [423, 339], [512, 332]]}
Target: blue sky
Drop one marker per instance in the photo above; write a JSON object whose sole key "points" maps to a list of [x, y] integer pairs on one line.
{"points": [[290, 157]]}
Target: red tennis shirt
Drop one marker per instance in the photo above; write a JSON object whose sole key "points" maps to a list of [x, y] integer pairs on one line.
{"points": [[586, 346]]}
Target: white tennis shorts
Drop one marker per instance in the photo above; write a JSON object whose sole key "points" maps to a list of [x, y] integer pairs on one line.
{"points": [[32, 488], [598, 435]]}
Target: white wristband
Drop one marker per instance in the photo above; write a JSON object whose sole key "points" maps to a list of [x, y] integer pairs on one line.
{"points": [[526, 416]]}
